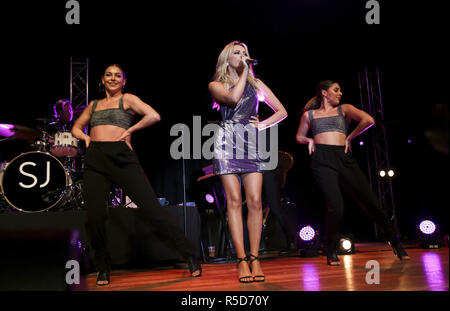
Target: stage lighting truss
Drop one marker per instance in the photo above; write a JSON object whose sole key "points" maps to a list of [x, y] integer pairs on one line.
{"points": [[428, 234]]}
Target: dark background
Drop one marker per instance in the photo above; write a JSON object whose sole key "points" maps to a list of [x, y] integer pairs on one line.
{"points": [[169, 51]]}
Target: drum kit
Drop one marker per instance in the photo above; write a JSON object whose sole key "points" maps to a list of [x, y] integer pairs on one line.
{"points": [[50, 175]]}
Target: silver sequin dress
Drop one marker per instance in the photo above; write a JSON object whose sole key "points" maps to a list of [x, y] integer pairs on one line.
{"points": [[236, 141]]}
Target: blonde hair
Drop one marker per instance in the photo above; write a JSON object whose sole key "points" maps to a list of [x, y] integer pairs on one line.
{"points": [[222, 73]]}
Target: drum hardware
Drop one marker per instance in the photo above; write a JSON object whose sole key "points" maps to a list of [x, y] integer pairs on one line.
{"points": [[3, 203], [73, 192], [118, 199], [73, 196], [43, 142]]}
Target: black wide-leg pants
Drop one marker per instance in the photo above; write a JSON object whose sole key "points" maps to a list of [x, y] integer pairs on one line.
{"points": [[115, 162], [332, 167]]}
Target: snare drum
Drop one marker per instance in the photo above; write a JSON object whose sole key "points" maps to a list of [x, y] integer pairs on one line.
{"points": [[64, 145], [34, 182]]}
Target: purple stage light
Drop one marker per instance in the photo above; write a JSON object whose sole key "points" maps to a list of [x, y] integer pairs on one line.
{"points": [[6, 130], [307, 233], [361, 143], [209, 198], [216, 106], [261, 97], [427, 227]]}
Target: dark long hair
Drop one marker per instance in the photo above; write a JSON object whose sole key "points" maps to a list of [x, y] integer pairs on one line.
{"points": [[100, 86], [316, 101]]}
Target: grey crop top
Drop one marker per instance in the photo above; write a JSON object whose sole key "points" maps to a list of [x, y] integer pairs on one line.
{"points": [[112, 116], [336, 123]]}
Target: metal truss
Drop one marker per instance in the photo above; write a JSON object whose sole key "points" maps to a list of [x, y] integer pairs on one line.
{"points": [[79, 83], [378, 151]]}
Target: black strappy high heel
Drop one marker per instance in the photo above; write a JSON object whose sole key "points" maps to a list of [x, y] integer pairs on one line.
{"points": [[252, 259], [333, 259], [241, 279], [194, 265], [103, 276]]}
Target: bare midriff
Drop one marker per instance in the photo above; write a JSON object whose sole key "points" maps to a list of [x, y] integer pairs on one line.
{"points": [[330, 138], [107, 133]]}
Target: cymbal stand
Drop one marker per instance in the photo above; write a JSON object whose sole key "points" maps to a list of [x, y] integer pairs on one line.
{"points": [[74, 189]]}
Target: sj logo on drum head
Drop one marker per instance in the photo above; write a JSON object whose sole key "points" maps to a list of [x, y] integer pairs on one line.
{"points": [[34, 182]]}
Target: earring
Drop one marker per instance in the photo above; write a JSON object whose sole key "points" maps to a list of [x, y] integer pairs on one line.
{"points": [[101, 87]]}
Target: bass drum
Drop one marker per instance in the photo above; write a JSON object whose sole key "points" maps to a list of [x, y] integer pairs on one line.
{"points": [[34, 182]]}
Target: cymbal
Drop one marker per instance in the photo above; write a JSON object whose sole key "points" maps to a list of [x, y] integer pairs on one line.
{"points": [[15, 131], [47, 120]]}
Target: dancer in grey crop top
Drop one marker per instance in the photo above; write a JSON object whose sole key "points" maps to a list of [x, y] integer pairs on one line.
{"points": [[332, 164], [110, 159], [112, 116], [336, 123]]}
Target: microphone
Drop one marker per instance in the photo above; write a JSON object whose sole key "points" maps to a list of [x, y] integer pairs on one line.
{"points": [[251, 61]]}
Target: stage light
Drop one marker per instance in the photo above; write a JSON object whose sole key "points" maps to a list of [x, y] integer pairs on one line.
{"points": [[308, 242], [386, 174], [307, 233], [361, 143], [209, 198], [346, 245], [427, 227], [428, 234]]}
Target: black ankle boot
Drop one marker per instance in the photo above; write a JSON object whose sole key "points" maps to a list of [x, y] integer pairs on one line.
{"points": [[398, 249], [194, 265]]}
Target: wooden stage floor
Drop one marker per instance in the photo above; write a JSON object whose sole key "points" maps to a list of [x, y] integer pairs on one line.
{"points": [[426, 271]]}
